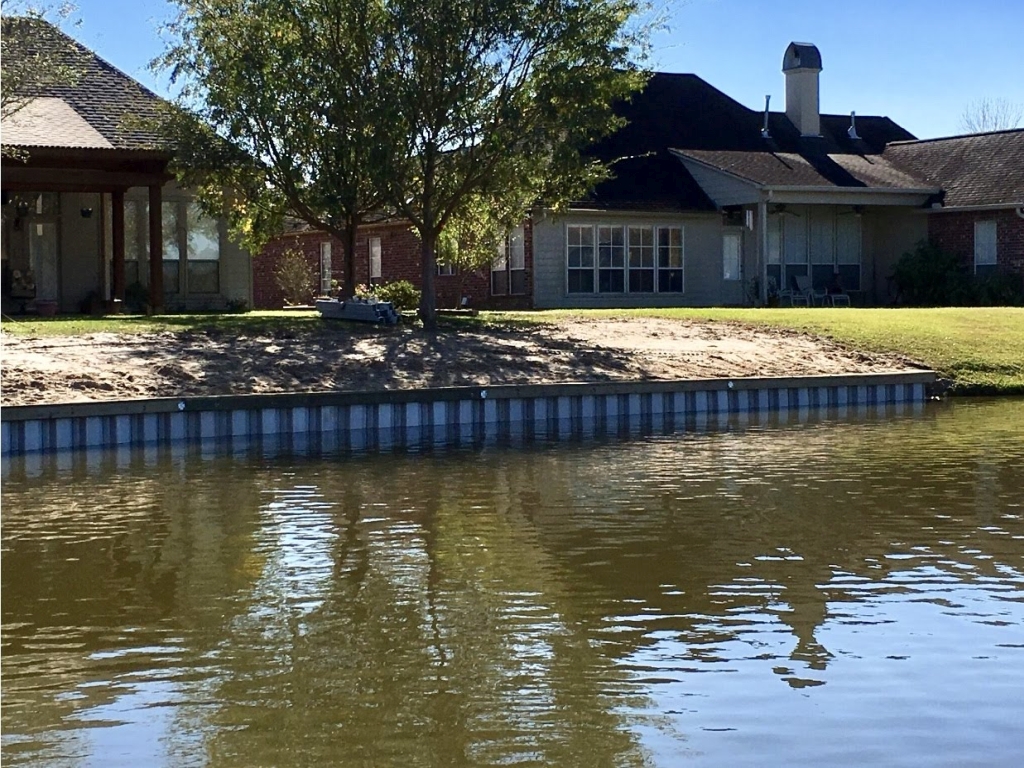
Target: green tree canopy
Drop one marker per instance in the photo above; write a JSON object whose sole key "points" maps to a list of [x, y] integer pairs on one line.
{"points": [[495, 101], [278, 112], [335, 110]]}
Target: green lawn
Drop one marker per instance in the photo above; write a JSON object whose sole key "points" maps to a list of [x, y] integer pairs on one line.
{"points": [[247, 322], [981, 350]]}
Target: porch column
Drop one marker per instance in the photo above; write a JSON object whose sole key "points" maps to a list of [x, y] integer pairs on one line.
{"points": [[156, 250], [762, 249], [117, 243]]}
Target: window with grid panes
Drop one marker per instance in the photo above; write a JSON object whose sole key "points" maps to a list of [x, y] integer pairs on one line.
{"points": [[611, 260], [670, 259], [641, 259], [580, 258]]}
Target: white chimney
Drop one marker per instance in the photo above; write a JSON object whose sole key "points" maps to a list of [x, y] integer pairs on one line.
{"points": [[801, 65]]}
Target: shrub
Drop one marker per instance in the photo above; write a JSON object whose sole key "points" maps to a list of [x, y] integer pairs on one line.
{"points": [[402, 294], [929, 276], [294, 278], [136, 299], [999, 290]]}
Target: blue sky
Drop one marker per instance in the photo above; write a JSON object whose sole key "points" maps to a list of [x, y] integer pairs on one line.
{"points": [[918, 61]]}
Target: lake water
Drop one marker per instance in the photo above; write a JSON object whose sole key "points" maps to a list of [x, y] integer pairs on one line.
{"points": [[824, 593]]}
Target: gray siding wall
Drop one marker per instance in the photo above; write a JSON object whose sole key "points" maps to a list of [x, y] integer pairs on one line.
{"points": [[887, 235], [702, 261], [722, 188]]}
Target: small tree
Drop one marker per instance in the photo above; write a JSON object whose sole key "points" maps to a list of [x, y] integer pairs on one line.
{"points": [[278, 113], [476, 235], [294, 277], [988, 114], [496, 99]]}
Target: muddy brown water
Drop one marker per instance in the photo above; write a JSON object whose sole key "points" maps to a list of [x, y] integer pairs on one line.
{"points": [[839, 593]]}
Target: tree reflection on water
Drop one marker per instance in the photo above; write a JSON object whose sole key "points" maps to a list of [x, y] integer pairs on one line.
{"points": [[554, 605]]}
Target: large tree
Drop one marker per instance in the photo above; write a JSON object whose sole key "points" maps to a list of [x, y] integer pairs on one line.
{"points": [[334, 110], [496, 99], [278, 112]]}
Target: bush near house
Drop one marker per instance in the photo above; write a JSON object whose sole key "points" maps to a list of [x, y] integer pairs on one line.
{"points": [[402, 294], [931, 277], [294, 278]]}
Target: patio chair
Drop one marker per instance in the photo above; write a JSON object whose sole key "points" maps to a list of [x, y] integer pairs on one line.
{"points": [[835, 295], [803, 294]]}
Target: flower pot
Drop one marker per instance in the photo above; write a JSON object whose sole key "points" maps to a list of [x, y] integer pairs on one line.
{"points": [[46, 307]]}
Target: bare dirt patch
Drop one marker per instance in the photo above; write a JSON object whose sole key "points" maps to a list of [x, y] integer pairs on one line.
{"points": [[107, 366]]}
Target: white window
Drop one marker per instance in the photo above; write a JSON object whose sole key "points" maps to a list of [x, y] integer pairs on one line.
{"points": [[641, 259], [670, 259], [985, 254], [445, 270], [732, 243], [508, 270], [580, 258], [848, 252], [325, 268], [375, 258], [611, 260], [624, 259], [775, 239]]}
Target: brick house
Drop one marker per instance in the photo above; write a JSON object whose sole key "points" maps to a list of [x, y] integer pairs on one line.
{"points": [[981, 214], [713, 203], [390, 251]]}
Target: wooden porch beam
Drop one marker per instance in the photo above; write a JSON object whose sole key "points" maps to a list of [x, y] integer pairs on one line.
{"points": [[76, 180]]}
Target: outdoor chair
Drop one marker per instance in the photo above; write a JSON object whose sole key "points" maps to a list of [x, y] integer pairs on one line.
{"points": [[835, 295], [839, 299], [804, 293]]}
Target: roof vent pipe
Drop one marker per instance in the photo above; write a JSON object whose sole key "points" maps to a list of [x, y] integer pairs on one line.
{"points": [[852, 132], [764, 129]]}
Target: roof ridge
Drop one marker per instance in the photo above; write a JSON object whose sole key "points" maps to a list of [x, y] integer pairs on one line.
{"points": [[956, 137]]}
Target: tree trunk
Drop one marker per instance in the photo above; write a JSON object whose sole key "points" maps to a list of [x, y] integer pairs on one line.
{"points": [[348, 286], [428, 297]]}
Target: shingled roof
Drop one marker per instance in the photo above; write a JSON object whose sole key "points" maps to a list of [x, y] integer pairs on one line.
{"points": [[100, 101], [977, 169], [684, 112], [789, 169]]}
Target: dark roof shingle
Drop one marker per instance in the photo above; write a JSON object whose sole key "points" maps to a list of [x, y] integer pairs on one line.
{"points": [[118, 107], [682, 111], [789, 169], [978, 169]]}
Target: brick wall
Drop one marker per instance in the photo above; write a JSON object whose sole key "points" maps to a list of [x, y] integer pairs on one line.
{"points": [[400, 260], [954, 232]]}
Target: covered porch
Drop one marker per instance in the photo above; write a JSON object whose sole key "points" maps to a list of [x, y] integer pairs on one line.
{"points": [[838, 221], [64, 229]]}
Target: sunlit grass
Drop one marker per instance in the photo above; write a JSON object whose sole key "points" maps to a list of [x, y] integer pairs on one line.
{"points": [[246, 322]]}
